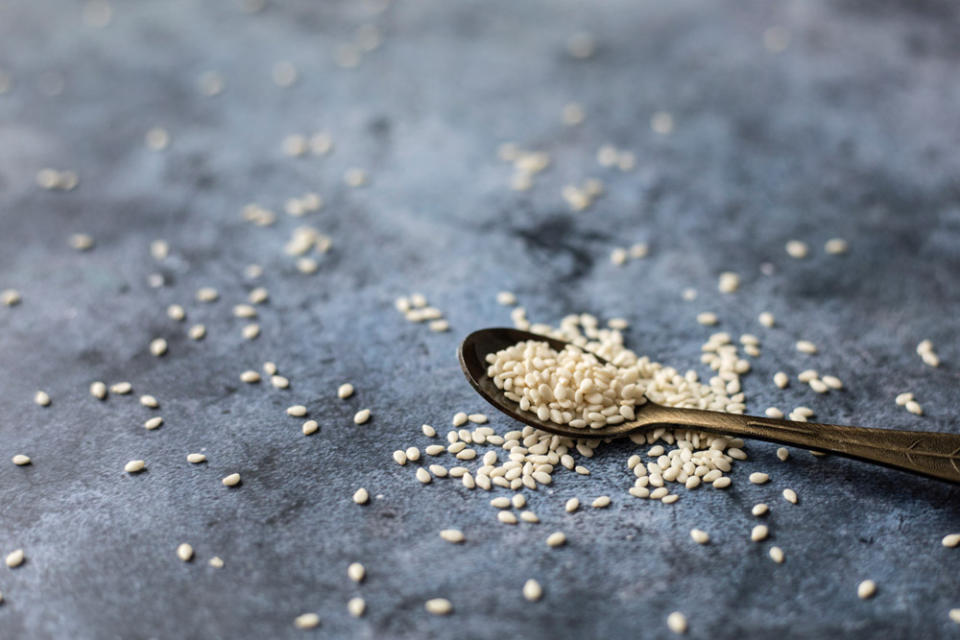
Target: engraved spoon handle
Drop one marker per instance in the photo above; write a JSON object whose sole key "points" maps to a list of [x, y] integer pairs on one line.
{"points": [[928, 453]]}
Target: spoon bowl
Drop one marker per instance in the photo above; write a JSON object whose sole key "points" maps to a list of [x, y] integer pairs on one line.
{"points": [[927, 453]]}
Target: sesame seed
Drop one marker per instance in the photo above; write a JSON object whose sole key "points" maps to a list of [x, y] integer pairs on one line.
{"points": [[438, 606], [15, 558], [185, 552], [759, 509], [42, 398], [951, 540], [459, 419], [428, 431], [21, 460], [759, 478], [797, 249], [135, 466], [356, 607], [355, 177], [157, 139], [356, 572], [506, 299], [776, 554], [197, 332], [556, 539], [80, 242], [279, 382], [423, 476], [721, 483], [306, 621], [477, 418], [914, 407], [677, 622], [250, 376], [149, 401], [689, 294], [121, 388], [231, 480], [866, 589], [833, 382], [310, 427], [153, 423], [728, 282], [529, 516], [835, 246], [759, 532], [766, 319], [819, 386], [773, 412], [206, 294], [400, 457], [361, 496], [618, 256], [361, 416], [452, 535], [954, 615], [176, 312], [572, 505], [297, 411], [216, 562], [707, 318], [700, 537], [903, 399], [532, 590], [790, 496], [158, 347], [344, 391], [98, 390], [805, 346], [159, 249], [259, 295], [10, 297], [196, 458], [781, 379], [783, 453], [601, 502], [251, 331], [507, 517]]}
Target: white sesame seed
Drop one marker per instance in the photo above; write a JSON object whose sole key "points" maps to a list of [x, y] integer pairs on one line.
{"points": [[176, 312], [507, 517], [157, 139], [197, 332], [153, 423], [355, 177], [259, 295], [689, 294], [251, 331], [721, 483], [361, 416], [707, 318], [345, 391], [914, 407], [306, 621], [506, 299], [206, 294], [677, 622], [438, 606], [15, 558], [121, 388], [270, 368], [10, 297], [781, 379], [759, 478], [766, 319], [805, 346], [699, 536], [759, 532], [819, 386], [556, 539], [618, 256], [297, 411], [866, 589], [532, 590], [361, 496], [356, 607], [728, 282], [452, 535], [951, 540], [400, 457], [196, 458], [833, 382], [954, 615], [81, 242], [21, 460], [250, 376], [783, 453], [477, 418], [158, 347], [135, 466], [835, 246], [310, 427], [428, 431], [572, 505], [98, 390], [797, 249], [279, 382], [149, 401], [423, 476], [773, 412], [903, 399], [231, 480], [790, 496], [42, 398], [601, 502], [356, 572], [459, 419], [185, 552], [759, 509], [776, 554], [807, 375]]}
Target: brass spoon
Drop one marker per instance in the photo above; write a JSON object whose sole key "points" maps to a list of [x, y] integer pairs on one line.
{"points": [[931, 454]]}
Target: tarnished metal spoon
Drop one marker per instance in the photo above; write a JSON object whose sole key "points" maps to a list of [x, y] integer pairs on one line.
{"points": [[927, 453]]}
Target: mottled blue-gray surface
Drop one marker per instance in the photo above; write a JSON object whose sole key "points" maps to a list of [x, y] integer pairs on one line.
{"points": [[851, 131]]}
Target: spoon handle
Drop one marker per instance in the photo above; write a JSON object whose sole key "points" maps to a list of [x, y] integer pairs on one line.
{"points": [[924, 452]]}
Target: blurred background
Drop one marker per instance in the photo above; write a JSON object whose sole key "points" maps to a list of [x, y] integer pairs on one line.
{"points": [[459, 149]]}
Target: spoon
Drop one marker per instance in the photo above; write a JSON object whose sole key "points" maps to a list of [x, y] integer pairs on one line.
{"points": [[932, 454]]}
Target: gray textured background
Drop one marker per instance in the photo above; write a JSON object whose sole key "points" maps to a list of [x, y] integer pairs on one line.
{"points": [[852, 131]]}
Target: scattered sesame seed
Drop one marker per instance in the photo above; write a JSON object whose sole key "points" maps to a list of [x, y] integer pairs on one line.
{"points": [[790, 496], [833, 382], [356, 572], [197, 332], [21, 460], [766, 319], [149, 401], [250, 376], [361, 496], [954, 615], [206, 294], [306, 621], [914, 407], [279, 382], [428, 431], [507, 517], [438, 606], [216, 562], [185, 552], [797, 249], [259, 295], [81, 242], [506, 299], [10, 297], [951, 540], [805, 346], [783, 453], [459, 419], [231, 480], [345, 391], [121, 388], [251, 331], [835, 246], [776, 554], [297, 411], [153, 423], [556, 539], [781, 379], [532, 590], [42, 398], [721, 483], [356, 607], [15, 558], [159, 249], [423, 476], [157, 139], [601, 502], [677, 622], [361, 416], [866, 589], [452, 535], [759, 509], [759, 532], [135, 466], [176, 312], [355, 177], [196, 458], [699, 536], [310, 427], [158, 347], [728, 282], [759, 478], [773, 412], [572, 505]]}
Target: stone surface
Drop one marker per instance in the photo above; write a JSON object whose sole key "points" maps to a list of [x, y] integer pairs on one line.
{"points": [[850, 131]]}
